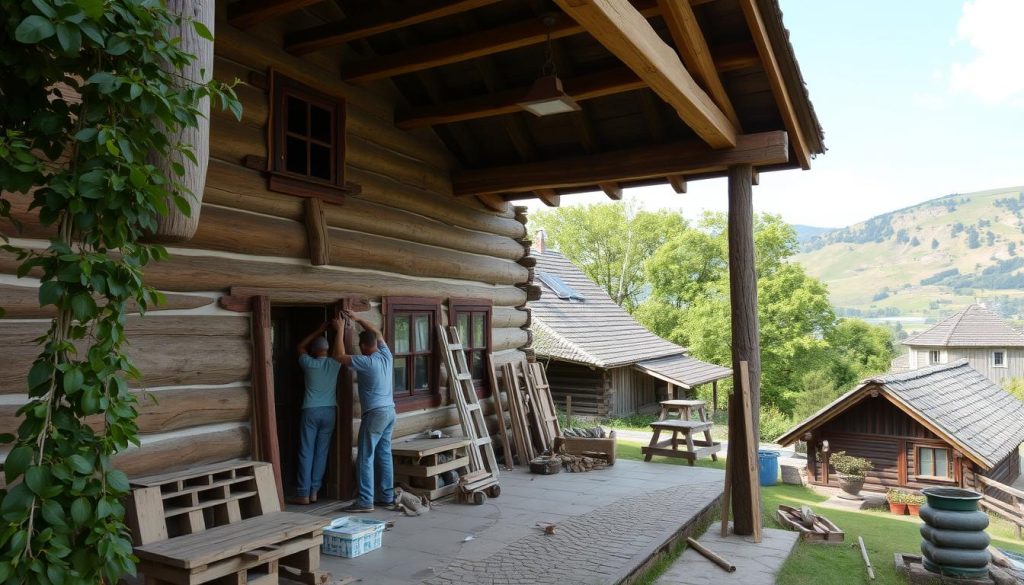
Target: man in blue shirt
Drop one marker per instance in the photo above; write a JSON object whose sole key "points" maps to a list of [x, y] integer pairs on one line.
{"points": [[318, 408], [377, 404]]}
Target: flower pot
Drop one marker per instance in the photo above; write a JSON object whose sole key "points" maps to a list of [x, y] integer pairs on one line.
{"points": [[913, 509], [897, 508], [851, 485]]}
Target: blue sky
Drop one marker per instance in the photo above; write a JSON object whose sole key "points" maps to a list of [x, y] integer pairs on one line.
{"points": [[918, 99]]}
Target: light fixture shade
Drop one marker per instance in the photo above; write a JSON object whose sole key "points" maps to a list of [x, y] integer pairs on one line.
{"points": [[547, 97]]}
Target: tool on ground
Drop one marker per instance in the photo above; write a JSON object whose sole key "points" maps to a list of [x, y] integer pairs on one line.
{"points": [[711, 555]]}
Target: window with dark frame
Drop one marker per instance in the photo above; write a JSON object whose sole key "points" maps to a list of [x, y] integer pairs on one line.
{"points": [[472, 319], [933, 462], [999, 359], [307, 142], [412, 336]]}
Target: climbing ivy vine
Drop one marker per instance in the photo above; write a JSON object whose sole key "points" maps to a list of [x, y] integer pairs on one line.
{"points": [[90, 90]]}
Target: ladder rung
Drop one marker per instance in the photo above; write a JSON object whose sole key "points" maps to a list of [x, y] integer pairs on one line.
{"points": [[454, 347], [472, 407], [464, 376]]}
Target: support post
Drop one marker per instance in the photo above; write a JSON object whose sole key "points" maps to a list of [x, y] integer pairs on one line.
{"points": [[266, 447], [346, 481], [714, 397], [746, 343]]}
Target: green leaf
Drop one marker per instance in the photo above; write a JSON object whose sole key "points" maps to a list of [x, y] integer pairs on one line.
{"points": [[55, 573], [118, 481], [50, 293], [44, 7], [81, 511], [202, 31], [33, 29], [103, 509], [53, 513], [83, 306], [17, 462], [39, 375], [5, 571], [70, 37], [80, 464], [92, 8], [37, 479], [17, 501], [6, 438], [73, 380]]}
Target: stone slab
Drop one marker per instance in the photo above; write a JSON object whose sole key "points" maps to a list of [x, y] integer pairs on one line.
{"points": [[756, 563]]}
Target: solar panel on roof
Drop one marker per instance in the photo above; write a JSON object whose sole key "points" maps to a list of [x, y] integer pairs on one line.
{"points": [[558, 286]]}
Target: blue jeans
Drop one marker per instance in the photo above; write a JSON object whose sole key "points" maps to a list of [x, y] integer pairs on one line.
{"points": [[315, 431], [374, 459]]}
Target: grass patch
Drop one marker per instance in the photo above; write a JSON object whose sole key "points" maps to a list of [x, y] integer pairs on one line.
{"points": [[628, 449], [642, 423]]}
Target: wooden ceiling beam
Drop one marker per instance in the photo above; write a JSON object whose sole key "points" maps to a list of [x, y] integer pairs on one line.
{"points": [[612, 190], [678, 183], [775, 79], [549, 197], [580, 88], [736, 57], [247, 13], [374, 23], [626, 33], [689, 40], [660, 161], [493, 202], [463, 48]]}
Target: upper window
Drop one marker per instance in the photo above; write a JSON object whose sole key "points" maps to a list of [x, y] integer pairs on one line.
{"points": [[934, 462], [307, 140], [472, 318], [412, 337], [934, 356], [999, 359]]}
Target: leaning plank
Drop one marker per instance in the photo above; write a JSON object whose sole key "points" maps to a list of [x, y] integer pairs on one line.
{"points": [[185, 451], [499, 411]]}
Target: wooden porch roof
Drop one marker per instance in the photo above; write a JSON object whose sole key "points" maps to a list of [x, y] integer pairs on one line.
{"points": [[670, 90]]}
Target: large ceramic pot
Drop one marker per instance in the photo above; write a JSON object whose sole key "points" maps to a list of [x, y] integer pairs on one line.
{"points": [[954, 535], [851, 484]]}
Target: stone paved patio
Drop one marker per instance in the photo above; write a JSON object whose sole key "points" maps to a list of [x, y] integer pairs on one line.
{"points": [[756, 563], [609, 523]]}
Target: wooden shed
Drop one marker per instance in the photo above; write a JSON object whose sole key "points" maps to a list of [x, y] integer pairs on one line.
{"points": [[599, 359], [378, 150], [939, 425]]}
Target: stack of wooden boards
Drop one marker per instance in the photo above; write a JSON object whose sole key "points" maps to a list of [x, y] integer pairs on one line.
{"points": [[527, 400], [221, 522]]}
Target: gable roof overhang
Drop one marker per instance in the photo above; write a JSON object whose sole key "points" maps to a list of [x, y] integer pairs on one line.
{"points": [[683, 370]]}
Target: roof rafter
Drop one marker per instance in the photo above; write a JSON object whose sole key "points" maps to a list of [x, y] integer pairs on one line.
{"points": [[247, 13], [660, 161]]}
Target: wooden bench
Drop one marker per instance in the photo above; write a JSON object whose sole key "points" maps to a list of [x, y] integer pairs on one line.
{"points": [[691, 448], [223, 524], [683, 407], [419, 465]]}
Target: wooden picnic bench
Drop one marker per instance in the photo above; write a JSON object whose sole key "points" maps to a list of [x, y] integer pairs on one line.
{"points": [[221, 522], [691, 448], [683, 407]]}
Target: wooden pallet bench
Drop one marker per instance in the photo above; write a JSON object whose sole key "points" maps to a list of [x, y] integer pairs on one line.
{"points": [[690, 449], [419, 464], [222, 524]]}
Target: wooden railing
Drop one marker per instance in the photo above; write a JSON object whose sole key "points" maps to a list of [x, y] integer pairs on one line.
{"points": [[1009, 505]]}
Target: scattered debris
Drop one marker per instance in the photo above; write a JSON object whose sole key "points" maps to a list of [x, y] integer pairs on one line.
{"points": [[711, 555], [811, 526], [547, 527]]}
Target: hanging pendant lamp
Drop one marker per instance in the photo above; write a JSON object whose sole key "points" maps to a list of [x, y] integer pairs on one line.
{"points": [[546, 97]]}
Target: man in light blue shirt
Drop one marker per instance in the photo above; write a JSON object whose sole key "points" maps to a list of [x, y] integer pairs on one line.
{"points": [[377, 404], [318, 408]]}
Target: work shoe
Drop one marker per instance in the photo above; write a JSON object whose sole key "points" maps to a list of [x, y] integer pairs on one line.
{"points": [[357, 508], [300, 500], [312, 498]]}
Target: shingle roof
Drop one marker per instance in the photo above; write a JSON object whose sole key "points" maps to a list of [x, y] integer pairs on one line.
{"points": [[596, 331], [955, 400], [975, 326], [683, 370]]}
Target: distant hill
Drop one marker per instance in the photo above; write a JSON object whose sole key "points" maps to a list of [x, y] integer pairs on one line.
{"points": [[805, 232], [918, 264]]}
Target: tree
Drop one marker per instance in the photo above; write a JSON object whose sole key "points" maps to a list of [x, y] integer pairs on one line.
{"points": [[859, 349], [973, 238], [915, 242], [90, 89], [610, 243], [935, 243]]}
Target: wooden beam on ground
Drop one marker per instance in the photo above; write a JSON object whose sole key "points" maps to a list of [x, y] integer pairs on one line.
{"points": [[374, 23], [549, 197], [689, 40], [626, 33], [581, 88], [678, 183], [771, 67], [612, 190], [247, 13], [463, 48], [623, 166]]}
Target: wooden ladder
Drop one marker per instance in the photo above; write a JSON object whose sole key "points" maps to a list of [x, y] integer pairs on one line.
{"points": [[483, 466]]}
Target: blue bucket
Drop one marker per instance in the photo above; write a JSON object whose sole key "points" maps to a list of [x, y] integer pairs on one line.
{"points": [[768, 467]]}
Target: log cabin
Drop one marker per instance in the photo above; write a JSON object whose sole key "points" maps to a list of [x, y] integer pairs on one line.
{"points": [[373, 167], [600, 361], [938, 425]]}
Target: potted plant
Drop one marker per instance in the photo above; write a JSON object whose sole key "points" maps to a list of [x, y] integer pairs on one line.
{"points": [[914, 503], [851, 472], [897, 501]]}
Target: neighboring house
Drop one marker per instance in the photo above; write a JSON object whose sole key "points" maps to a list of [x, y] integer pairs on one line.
{"points": [[976, 334], [597, 354], [938, 425]]}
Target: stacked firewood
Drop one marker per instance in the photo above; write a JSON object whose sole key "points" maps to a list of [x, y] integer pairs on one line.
{"points": [[580, 463]]}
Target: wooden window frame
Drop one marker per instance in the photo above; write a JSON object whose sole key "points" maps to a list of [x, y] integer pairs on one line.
{"points": [[457, 306], [1002, 365], [938, 357], [392, 306], [950, 467], [281, 179]]}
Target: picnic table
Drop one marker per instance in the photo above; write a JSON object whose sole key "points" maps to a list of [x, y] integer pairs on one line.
{"points": [[683, 407], [689, 448]]}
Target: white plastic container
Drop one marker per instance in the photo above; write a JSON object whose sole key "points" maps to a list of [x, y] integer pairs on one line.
{"points": [[350, 537]]}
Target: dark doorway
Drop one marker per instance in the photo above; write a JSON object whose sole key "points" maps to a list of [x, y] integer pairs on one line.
{"points": [[289, 326]]}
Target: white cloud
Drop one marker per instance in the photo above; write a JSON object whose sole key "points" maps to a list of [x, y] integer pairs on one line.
{"points": [[995, 72]]}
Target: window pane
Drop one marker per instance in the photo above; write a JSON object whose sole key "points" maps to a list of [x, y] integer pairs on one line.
{"points": [[320, 123], [295, 155], [422, 373], [401, 334], [997, 357], [462, 323], [941, 464], [925, 465], [400, 376], [320, 162], [479, 340], [422, 333], [477, 367], [297, 115]]}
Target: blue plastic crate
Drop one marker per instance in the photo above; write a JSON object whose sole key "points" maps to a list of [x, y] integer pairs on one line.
{"points": [[350, 537]]}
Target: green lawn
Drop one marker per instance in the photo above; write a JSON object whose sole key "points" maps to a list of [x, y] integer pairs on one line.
{"points": [[884, 534]]}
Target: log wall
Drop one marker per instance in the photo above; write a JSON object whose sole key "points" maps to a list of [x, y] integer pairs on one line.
{"points": [[588, 387]]}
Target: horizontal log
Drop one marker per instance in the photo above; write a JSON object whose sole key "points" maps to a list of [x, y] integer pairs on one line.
{"points": [[508, 317], [169, 353], [240, 299], [22, 302], [232, 231], [235, 186], [507, 338], [185, 452]]}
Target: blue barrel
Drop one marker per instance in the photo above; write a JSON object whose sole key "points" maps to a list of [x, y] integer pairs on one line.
{"points": [[768, 467]]}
